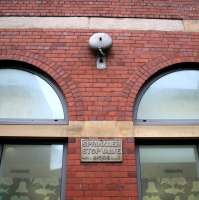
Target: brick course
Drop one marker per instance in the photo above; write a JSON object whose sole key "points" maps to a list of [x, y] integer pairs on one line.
{"points": [[175, 9]]}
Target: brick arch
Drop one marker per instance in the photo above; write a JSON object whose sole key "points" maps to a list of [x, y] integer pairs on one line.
{"points": [[133, 85], [62, 78]]}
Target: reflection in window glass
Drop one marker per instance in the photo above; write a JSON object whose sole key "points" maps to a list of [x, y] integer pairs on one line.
{"points": [[169, 172], [26, 96], [173, 96], [31, 172]]}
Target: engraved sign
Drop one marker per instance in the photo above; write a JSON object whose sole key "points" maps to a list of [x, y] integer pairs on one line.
{"points": [[101, 150]]}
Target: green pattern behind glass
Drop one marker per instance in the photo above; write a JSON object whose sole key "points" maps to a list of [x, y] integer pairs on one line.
{"points": [[177, 188], [29, 189]]}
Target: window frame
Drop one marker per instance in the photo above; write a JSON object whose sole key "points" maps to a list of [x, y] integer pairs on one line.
{"points": [[159, 142], [27, 142], [145, 87], [53, 85]]}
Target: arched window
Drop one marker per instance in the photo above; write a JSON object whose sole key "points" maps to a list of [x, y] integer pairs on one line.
{"points": [[27, 96], [169, 168], [30, 169], [171, 97]]}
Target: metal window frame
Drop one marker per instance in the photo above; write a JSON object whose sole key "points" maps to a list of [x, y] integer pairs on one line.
{"points": [[28, 142], [138, 172], [1, 153], [167, 142], [17, 65], [64, 173], [172, 69]]}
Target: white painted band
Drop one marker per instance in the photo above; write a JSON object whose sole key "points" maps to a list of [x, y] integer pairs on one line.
{"points": [[98, 23]]}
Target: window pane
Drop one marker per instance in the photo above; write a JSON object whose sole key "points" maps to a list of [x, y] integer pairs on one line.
{"points": [[31, 172], [174, 96], [169, 172], [26, 96]]}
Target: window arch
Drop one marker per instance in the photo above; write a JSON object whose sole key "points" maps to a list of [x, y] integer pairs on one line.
{"points": [[27, 96], [171, 97]]}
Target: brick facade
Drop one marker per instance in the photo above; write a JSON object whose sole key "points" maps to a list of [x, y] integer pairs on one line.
{"points": [[176, 9], [100, 95]]}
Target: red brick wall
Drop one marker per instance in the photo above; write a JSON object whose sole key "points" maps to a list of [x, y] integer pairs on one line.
{"points": [[101, 181], [186, 9], [99, 94], [93, 94]]}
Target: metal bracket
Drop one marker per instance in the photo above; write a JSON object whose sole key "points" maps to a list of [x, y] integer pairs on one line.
{"points": [[101, 62]]}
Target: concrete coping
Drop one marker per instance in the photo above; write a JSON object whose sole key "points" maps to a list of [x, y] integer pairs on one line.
{"points": [[99, 129], [99, 23]]}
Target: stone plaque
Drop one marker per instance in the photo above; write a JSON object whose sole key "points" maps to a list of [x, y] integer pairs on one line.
{"points": [[101, 150]]}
